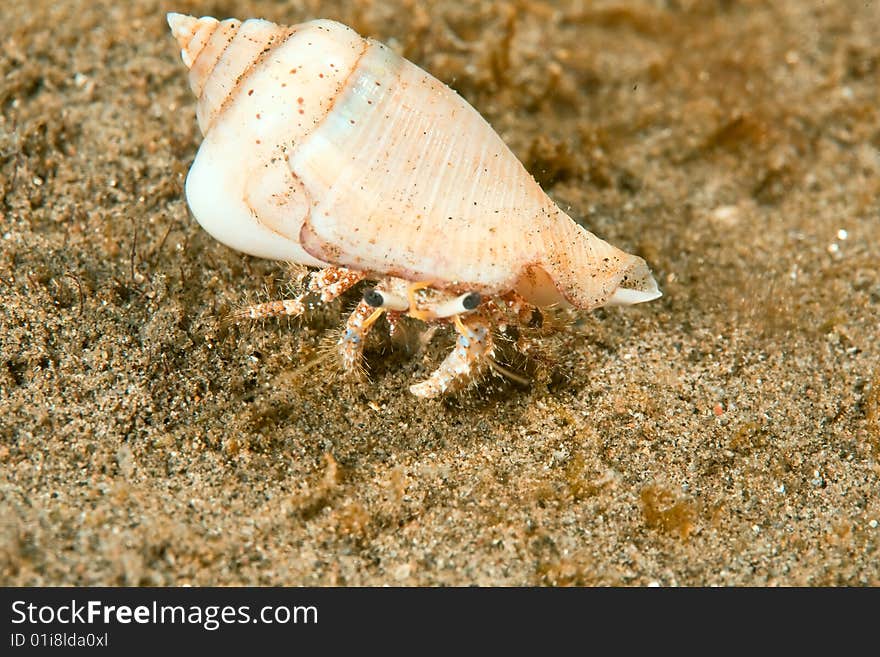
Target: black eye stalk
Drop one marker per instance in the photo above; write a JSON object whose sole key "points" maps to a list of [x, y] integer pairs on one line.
{"points": [[389, 301], [385, 300], [471, 300], [374, 298]]}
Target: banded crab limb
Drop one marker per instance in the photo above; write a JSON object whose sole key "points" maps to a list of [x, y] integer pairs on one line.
{"points": [[351, 344], [327, 284], [375, 302], [469, 359]]}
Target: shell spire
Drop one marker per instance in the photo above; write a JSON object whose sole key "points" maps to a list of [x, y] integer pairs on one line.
{"points": [[219, 54], [191, 33]]}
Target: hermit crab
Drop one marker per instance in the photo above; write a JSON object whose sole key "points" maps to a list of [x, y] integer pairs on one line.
{"points": [[329, 150]]}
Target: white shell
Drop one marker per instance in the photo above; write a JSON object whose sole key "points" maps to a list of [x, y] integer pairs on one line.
{"points": [[324, 148]]}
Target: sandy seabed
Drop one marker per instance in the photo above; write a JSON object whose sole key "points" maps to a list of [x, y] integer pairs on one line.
{"points": [[727, 433]]}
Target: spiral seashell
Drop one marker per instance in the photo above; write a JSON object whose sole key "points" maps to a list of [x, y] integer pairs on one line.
{"points": [[322, 147]]}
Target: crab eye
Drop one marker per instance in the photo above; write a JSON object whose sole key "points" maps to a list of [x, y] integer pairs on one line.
{"points": [[471, 300], [374, 298], [386, 300], [461, 304]]}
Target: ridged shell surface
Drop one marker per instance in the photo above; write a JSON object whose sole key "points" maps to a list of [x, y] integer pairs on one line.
{"points": [[324, 148]]}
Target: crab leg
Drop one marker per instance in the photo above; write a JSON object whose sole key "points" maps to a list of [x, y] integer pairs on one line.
{"points": [[351, 344], [471, 355], [328, 283]]}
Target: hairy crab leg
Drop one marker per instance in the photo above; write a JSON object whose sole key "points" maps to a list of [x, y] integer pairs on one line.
{"points": [[328, 284], [470, 357], [351, 344]]}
